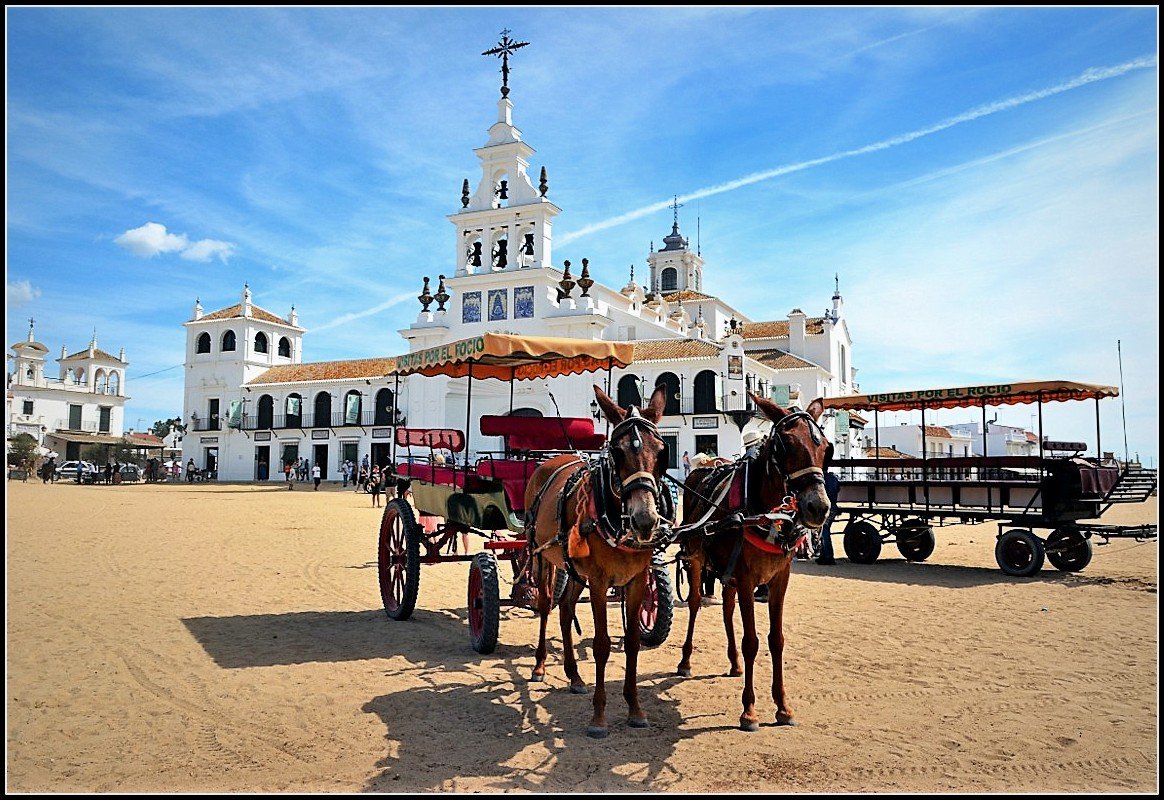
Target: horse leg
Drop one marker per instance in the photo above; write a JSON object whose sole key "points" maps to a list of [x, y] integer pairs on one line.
{"points": [[695, 576], [729, 627], [776, 589], [567, 608], [598, 591], [633, 596], [751, 644], [545, 573]]}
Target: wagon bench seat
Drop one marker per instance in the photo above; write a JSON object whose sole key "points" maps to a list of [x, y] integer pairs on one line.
{"points": [[445, 476]]}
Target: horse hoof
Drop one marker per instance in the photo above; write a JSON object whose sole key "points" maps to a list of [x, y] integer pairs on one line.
{"points": [[594, 732], [637, 722], [577, 688], [685, 673], [535, 678], [787, 722], [749, 725], [734, 673]]}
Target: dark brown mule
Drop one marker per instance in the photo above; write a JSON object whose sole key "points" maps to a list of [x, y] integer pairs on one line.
{"points": [[789, 466], [599, 520]]}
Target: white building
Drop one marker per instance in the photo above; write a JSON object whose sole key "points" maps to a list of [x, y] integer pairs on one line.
{"points": [[83, 404], [940, 441], [1001, 440], [502, 279]]}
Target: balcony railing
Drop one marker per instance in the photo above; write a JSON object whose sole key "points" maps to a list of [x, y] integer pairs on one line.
{"points": [[336, 419]]}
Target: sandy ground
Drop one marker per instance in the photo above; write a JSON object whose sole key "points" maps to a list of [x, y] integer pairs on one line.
{"points": [[231, 638]]}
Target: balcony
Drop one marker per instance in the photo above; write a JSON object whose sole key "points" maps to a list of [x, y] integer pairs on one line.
{"points": [[336, 419]]}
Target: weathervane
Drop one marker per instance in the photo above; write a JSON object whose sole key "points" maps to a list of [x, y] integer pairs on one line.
{"points": [[675, 206], [505, 48]]}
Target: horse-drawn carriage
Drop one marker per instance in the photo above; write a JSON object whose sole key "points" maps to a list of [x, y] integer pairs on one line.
{"points": [[901, 499], [443, 494]]}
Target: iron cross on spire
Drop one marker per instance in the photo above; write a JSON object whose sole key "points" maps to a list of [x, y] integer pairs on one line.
{"points": [[505, 48], [675, 206]]}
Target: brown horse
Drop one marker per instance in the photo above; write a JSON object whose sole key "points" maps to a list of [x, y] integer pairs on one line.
{"points": [[600, 521], [749, 518]]}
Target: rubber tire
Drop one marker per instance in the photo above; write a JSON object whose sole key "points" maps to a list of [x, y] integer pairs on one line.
{"points": [[389, 552], [1019, 553], [484, 603], [862, 542], [659, 579], [918, 545], [1068, 550]]}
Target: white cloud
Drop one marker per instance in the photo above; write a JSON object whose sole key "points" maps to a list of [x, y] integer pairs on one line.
{"points": [[206, 249], [21, 292], [151, 239]]}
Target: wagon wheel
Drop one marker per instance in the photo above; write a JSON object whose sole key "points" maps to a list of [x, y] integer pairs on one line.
{"points": [[1019, 553], [399, 559], [484, 603], [1068, 549], [658, 606], [915, 540], [862, 542]]}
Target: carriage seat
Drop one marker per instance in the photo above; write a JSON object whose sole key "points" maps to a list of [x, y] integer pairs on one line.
{"points": [[444, 476], [514, 474], [543, 433]]}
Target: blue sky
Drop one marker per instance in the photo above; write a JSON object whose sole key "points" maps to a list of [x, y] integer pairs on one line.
{"points": [[983, 180]]}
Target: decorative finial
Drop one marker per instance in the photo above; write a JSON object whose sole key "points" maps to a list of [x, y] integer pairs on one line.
{"points": [[465, 194], [837, 279], [632, 275], [441, 296], [675, 206], [584, 282], [31, 325], [543, 183], [566, 284], [425, 296], [505, 48]]}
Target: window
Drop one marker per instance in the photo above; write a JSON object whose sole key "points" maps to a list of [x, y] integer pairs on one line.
{"points": [[670, 279], [284, 347], [28, 408], [29, 372], [74, 418], [203, 345], [103, 423], [228, 341], [844, 369], [385, 406], [260, 342], [266, 412], [294, 412], [705, 392], [628, 392], [114, 383], [212, 415], [707, 443], [102, 382], [322, 410], [671, 381], [353, 409], [671, 441]]}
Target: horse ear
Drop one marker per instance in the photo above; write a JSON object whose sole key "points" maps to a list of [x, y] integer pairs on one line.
{"points": [[816, 408], [654, 409], [608, 406], [770, 409]]}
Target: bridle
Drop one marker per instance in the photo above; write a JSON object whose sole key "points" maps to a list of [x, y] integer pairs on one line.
{"points": [[643, 479], [778, 452]]}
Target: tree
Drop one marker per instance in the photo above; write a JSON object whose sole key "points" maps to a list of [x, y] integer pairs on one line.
{"points": [[162, 427], [21, 451]]}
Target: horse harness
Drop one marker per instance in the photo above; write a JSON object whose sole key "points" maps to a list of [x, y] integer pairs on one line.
{"points": [[609, 519]]}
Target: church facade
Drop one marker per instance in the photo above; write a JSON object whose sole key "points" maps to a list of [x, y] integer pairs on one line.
{"points": [[252, 402]]}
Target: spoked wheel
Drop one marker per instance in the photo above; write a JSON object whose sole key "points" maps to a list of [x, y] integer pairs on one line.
{"points": [[862, 542], [1019, 553], [399, 559], [484, 603], [658, 606], [915, 540], [1068, 549]]}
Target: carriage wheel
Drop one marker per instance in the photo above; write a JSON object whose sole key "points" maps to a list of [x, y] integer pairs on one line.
{"points": [[1019, 553], [658, 607], [1068, 549], [399, 559], [484, 603], [915, 540], [862, 542]]}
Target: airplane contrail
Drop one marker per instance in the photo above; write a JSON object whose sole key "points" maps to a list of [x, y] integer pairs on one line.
{"points": [[1091, 75], [367, 312]]}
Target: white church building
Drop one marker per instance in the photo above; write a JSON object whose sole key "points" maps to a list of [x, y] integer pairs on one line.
{"points": [[252, 402]]}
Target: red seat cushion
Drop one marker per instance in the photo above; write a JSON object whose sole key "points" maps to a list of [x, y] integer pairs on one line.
{"points": [[445, 476], [543, 433], [514, 474]]}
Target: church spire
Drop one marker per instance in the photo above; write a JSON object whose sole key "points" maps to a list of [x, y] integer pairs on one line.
{"points": [[31, 324]]}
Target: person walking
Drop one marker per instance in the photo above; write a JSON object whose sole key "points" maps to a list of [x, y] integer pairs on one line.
{"points": [[315, 476], [80, 469], [832, 489], [686, 464], [363, 479], [374, 484], [346, 471], [288, 470], [108, 472]]}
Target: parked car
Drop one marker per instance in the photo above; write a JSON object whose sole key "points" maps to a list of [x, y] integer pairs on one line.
{"points": [[68, 471], [130, 473]]}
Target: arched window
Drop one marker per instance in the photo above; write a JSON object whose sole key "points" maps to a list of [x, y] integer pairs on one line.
{"points": [[671, 381], [29, 372], [78, 376], [359, 409], [844, 369], [266, 412], [203, 345], [228, 341], [294, 411], [114, 383], [102, 382], [385, 405], [705, 392], [322, 410], [628, 391], [669, 280], [260, 342], [284, 347], [525, 412]]}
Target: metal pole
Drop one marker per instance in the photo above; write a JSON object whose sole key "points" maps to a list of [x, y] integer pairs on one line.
{"points": [[609, 366], [1123, 407], [925, 464], [395, 416], [468, 422], [1098, 452], [1040, 426], [981, 470], [877, 444], [511, 382]]}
